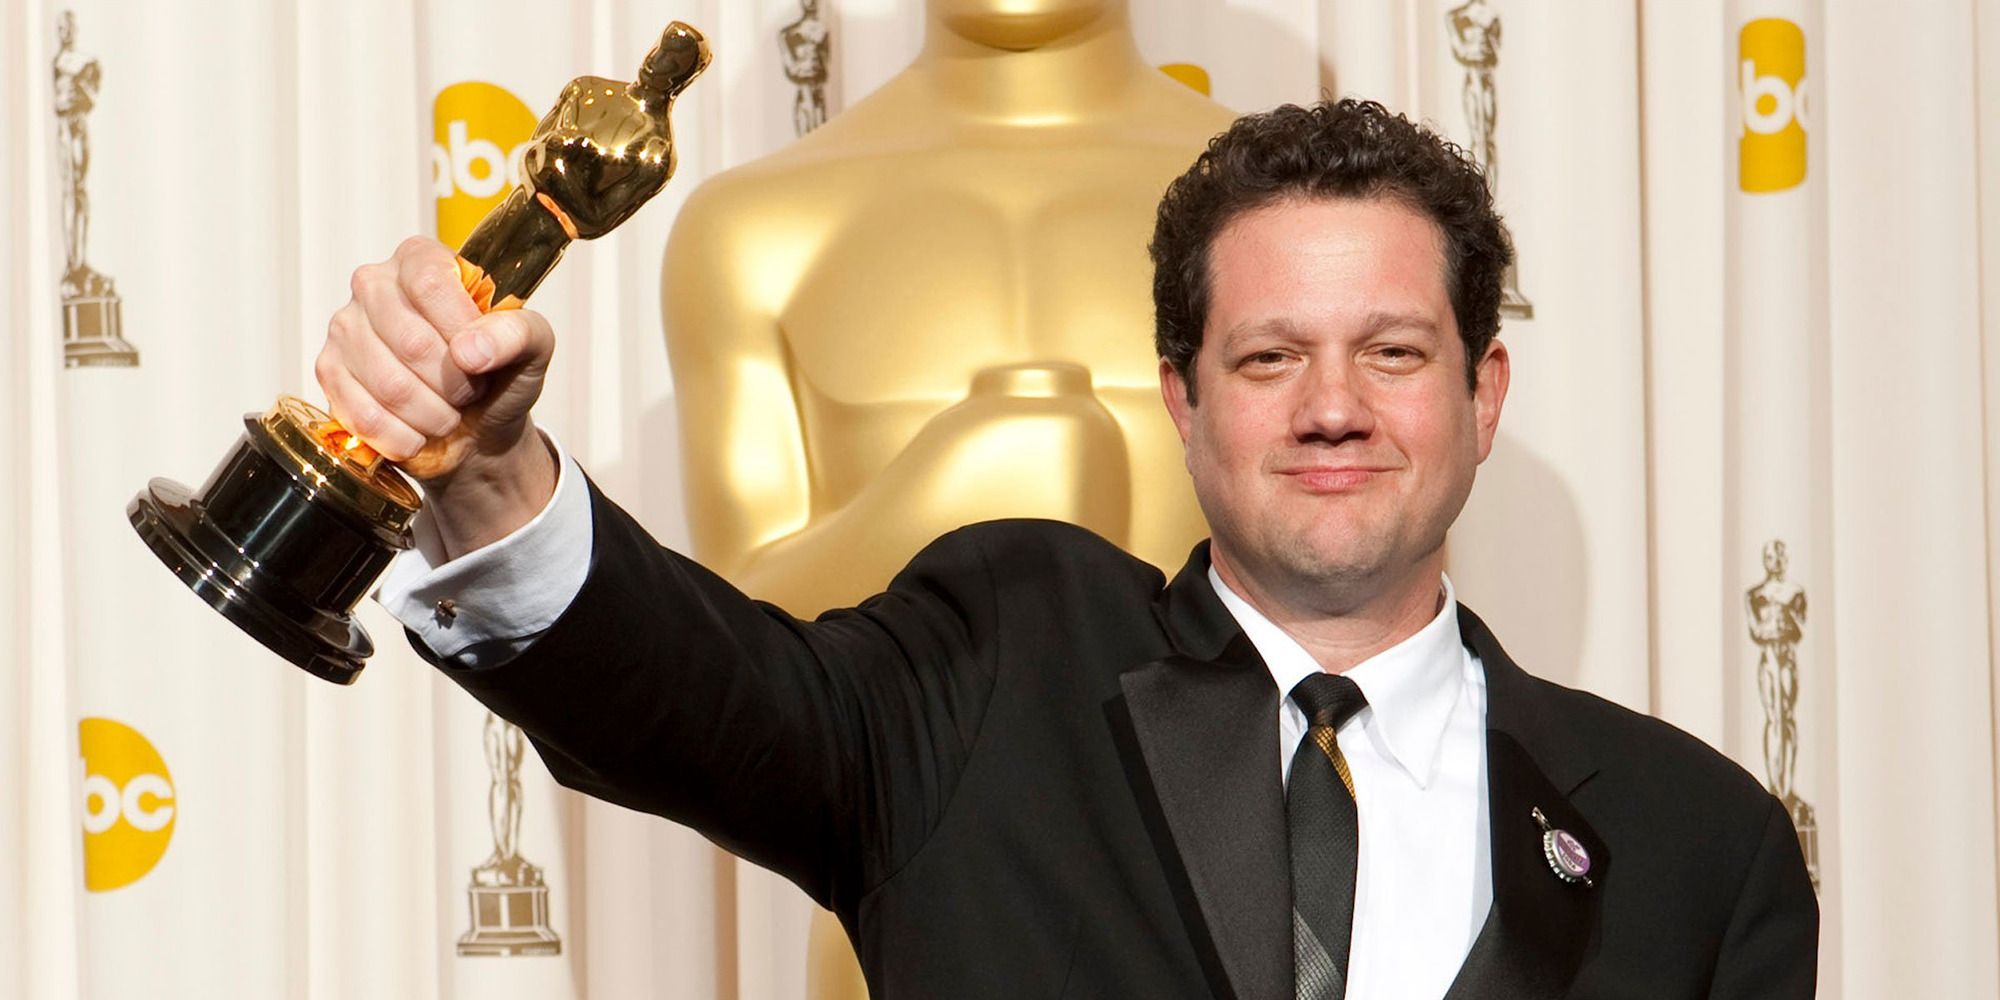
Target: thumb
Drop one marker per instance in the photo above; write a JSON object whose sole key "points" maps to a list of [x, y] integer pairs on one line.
{"points": [[504, 339], [508, 351]]}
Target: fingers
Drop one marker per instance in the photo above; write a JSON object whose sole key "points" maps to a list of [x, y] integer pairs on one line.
{"points": [[427, 276], [410, 358], [413, 302], [386, 366], [391, 380], [360, 412]]}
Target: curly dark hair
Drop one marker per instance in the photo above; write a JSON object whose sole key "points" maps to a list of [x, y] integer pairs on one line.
{"points": [[1333, 149]]}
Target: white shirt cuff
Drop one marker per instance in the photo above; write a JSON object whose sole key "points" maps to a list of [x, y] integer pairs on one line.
{"points": [[501, 596]]}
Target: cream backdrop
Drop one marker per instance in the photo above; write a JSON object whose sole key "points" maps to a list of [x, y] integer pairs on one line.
{"points": [[1707, 369]]}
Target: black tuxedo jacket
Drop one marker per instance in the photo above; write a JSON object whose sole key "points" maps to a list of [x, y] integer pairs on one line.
{"points": [[1030, 770]]}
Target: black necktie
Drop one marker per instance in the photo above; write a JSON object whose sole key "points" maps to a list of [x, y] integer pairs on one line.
{"points": [[1325, 836]]}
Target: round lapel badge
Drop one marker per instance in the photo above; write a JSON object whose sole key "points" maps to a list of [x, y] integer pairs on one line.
{"points": [[1566, 855]]}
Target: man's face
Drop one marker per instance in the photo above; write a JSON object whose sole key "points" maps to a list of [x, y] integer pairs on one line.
{"points": [[1335, 439]]}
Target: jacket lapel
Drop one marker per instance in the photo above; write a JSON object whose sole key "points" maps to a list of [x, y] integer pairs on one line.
{"points": [[1541, 927], [1197, 733]]}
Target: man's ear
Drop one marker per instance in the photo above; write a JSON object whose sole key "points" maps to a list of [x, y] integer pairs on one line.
{"points": [[1489, 393], [1174, 393]]}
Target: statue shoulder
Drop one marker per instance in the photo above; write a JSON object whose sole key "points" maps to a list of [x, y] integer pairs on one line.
{"points": [[1172, 113], [797, 185], [757, 202], [1196, 111], [742, 238]]}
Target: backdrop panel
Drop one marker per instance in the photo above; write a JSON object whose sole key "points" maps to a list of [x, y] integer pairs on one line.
{"points": [[1754, 304]]}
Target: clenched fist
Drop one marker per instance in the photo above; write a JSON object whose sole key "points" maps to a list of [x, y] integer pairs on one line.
{"points": [[412, 367]]}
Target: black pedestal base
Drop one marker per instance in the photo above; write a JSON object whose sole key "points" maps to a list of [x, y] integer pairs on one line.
{"points": [[169, 519], [265, 543]]}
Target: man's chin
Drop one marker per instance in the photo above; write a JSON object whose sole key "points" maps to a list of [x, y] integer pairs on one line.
{"points": [[1329, 576], [1350, 568]]}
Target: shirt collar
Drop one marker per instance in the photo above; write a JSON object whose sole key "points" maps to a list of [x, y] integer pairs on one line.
{"points": [[1412, 686]]}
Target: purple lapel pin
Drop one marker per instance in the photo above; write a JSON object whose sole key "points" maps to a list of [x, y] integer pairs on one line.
{"points": [[1566, 854]]}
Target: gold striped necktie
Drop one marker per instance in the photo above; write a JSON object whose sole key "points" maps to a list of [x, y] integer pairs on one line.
{"points": [[1325, 838]]}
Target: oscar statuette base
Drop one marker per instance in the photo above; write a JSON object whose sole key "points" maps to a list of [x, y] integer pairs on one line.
{"points": [[509, 919], [1512, 302], [1807, 824], [92, 335], [282, 539], [94, 323]]}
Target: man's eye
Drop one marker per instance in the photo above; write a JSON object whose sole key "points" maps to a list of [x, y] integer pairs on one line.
{"points": [[1398, 357]]}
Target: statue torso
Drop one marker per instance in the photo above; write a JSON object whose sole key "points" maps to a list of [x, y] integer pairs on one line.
{"points": [[897, 267]]}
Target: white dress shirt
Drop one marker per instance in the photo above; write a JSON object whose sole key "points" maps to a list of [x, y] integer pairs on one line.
{"points": [[1417, 751], [502, 595], [1418, 756]]}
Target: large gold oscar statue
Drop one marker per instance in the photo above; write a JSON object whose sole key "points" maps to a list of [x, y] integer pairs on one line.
{"points": [[936, 309]]}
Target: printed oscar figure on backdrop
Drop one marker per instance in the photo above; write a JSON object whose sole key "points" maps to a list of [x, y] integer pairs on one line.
{"points": [[805, 45], [93, 314], [1778, 476], [1777, 622], [1475, 43], [508, 898], [301, 517], [936, 309]]}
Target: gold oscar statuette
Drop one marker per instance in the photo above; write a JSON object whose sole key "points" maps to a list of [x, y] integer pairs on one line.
{"points": [[299, 520], [508, 899], [93, 313], [1475, 43], [1777, 618]]}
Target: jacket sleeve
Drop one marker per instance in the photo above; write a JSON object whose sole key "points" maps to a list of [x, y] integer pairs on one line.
{"points": [[1770, 950], [823, 750]]}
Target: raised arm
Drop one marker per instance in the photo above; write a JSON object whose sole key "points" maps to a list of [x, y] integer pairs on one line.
{"points": [[665, 689]]}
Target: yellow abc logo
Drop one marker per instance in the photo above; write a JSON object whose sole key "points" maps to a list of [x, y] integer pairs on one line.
{"points": [[1771, 80], [128, 804], [479, 134], [1192, 76]]}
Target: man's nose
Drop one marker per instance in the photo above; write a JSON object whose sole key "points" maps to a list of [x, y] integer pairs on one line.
{"points": [[1332, 404]]}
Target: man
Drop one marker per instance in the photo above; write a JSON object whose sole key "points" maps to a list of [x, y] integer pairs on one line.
{"points": [[1300, 769]]}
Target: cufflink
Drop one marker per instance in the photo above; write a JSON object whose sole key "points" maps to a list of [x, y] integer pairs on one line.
{"points": [[446, 611]]}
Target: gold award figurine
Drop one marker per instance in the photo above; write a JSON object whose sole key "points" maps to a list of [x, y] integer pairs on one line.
{"points": [[508, 898], [1777, 609], [300, 518], [1475, 43], [93, 313]]}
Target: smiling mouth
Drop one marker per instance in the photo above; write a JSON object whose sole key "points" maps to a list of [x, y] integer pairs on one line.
{"points": [[1332, 478]]}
